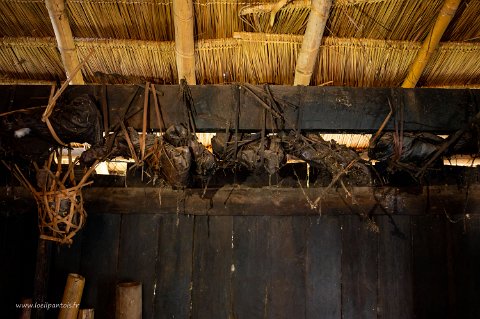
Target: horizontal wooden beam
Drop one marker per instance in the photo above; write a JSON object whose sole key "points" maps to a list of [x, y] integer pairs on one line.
{"points": [[268, 201], [327, 109]]}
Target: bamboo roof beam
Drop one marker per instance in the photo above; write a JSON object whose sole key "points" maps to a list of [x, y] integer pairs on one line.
{"points": [[430, 44], [65, 43], [307, 57], [184, 42]]}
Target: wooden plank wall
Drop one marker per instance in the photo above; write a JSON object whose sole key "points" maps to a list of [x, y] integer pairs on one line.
{"points": [[279, 266], [331, 266]]}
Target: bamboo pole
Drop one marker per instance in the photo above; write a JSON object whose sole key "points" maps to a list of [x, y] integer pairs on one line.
{"points": [[129, 301], [86, 314], [26, 311], [184, 43], [63, 34], [72, 295], [430, 44], [311, 41]]}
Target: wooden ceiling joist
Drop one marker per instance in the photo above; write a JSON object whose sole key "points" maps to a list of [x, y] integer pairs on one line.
{"points": [[184, 42], [430, 44], [311, 41], [65, 43]]}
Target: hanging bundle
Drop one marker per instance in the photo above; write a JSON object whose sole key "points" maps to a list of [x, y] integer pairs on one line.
{"points": [[61, 213]]}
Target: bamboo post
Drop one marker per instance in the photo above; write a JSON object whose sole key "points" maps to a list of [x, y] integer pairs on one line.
{"points": [[184, 43], [129, 301], [63, 34], [430, 44], [86, 314], [26, 311], [72, 296], [311, 41]]}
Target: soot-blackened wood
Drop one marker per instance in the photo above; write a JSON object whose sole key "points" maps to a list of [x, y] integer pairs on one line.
{"points": [[42, 277], [99, 263], [251, 259], [323, 267], [286, 298], [212, 267], [395, 293], [465, 286], [139, 243], [360, 109], [359, 269], [173, 273], [323, 108], [275, 201], [430, 286]]}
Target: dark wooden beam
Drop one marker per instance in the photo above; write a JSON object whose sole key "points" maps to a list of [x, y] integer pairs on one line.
{"points": [[327, 109], [269, 201]]}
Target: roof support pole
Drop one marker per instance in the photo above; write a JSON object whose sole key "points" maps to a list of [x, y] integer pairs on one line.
{"points": [[430, 44], [307, 57], [63, 33], [184, 42]]}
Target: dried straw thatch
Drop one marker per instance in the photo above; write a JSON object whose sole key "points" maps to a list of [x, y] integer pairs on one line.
{"points": [[368, 43], [24, 18], [249, 57]]}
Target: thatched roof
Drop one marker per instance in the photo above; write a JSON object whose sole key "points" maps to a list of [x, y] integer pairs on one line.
{"points": [[367, 42]]}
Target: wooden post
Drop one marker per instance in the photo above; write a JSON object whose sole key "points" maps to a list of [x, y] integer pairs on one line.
{"points": [[311, 41], [42, 271], [184, 43], [86, 314], [63, 34], [430, 44], [129, 301], [72, 296]]}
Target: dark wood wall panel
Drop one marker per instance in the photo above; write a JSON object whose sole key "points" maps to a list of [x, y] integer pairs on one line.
{"points": [[173, 268], [99, 260], [430, 271], [279, 266], [286, 247], [212, 275], [465, 248], [359, 269], [251, 259], [323, 259], [395, 293], [137, 256]]}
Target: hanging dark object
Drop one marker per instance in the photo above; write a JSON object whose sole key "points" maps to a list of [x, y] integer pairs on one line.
{"points": [[343, 163], [415, 149], [24, 135], [175, 163], [251, 154]]}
